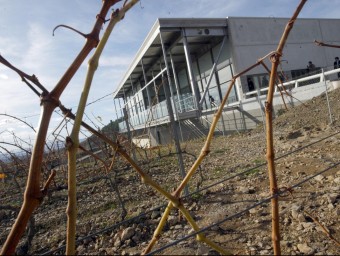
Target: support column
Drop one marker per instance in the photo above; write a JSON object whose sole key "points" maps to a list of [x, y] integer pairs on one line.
{"points": [[167, 84], [156, 94], [149, 99], [155, 86], [147, 88], [262, 109], [179, 97], [190, 71], [212, 72], [121, 109], [114, 104], [134, 100], [126, 118], [178, 91]]}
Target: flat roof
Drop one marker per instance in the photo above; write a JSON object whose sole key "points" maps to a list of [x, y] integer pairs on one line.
{"points": [[171, 28]]}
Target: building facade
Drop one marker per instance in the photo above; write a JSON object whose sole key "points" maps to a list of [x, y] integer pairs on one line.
{"points": [[184, 67]]}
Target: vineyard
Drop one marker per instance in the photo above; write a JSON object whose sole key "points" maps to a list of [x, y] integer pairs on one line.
{"points": [[271, 190], [228, 194]]}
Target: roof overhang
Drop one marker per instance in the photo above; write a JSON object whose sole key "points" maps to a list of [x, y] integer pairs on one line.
{"points": [[200, 33]]}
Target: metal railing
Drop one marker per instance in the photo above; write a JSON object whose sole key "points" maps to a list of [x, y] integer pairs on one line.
{"points": [[185, 103], [157, 111], [307, 80]]}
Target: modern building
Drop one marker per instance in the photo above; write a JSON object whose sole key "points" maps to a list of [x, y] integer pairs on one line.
{"points": [[183, 69]]}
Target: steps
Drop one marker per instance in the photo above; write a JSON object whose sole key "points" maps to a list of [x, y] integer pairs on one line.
{"points": [[196, 128]]}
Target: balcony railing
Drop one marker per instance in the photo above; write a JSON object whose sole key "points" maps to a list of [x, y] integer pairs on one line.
{"points": [[185, 103], [324, 74], [158, 111]]}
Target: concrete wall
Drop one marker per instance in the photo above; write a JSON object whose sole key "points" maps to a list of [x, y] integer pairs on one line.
{"points": [[164, 135], [245, 115], [253, 38], [249, 40], [250, 112]]}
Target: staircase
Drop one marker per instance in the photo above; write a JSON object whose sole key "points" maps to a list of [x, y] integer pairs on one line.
{"points": [[195, 128]]}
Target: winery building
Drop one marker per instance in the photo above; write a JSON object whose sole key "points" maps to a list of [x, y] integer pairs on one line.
{"points": [[184, 66]]}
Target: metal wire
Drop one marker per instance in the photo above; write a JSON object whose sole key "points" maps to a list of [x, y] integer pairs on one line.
{"points": [[260, 165], [106, 229], [200, 190], [242, 212]]}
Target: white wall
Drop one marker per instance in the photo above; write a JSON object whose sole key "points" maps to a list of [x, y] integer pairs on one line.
{"points": [[253, 38]]}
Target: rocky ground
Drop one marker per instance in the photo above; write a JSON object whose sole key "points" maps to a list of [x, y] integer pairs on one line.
{"points": [[233, 185]]}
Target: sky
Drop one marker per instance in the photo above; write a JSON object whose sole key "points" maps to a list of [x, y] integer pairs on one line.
{"points": [[26, 41]]}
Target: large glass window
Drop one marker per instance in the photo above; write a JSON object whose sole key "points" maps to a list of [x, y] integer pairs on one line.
{"points": [[205, 62], [146, 100], [212, 97], [225, 75], [225, 56], [183, 82]]}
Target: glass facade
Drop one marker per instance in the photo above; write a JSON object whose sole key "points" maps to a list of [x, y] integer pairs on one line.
{"points": [[137, 104]]}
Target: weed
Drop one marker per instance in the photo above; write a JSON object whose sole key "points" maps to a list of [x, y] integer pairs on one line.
{"points": [[252, 172], [218, 169], [219, 151], [280, 112], [196, 196], [259, 161]]}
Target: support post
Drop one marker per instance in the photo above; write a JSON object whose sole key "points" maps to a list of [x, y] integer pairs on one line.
{"points": [[179, 96], [213, 70], [329, 107], [126, 118], [147, 87], [261, 109], [134, 100], [121, 109], [190, 71], [167, 85], [149, 98], [114, 104]]}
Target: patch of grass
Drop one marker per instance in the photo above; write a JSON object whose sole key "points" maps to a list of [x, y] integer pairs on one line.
{"points": [[280, 112], [252, 172], [101, 208], [219, 151], [259, 161], [218, 169], [132, 215], [109, 206], [196, 196]]}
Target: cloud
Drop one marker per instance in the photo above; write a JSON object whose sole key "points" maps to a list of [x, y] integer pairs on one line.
{"points": [[28, 44], [4, 121], [9, 47], [115, 61], [3, 76], [38, 45]]}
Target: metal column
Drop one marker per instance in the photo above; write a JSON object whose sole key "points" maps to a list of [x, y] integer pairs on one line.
{"points": [[190, 70], [121, 109], [149, 99], [114, 103], [134, 101], [179, 98], [147, 88], [213, 70], [126, 118], [167, 84], [326, 90]]}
